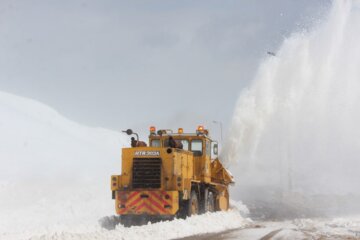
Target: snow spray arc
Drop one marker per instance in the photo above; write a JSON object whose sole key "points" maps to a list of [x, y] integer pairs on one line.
{"points": [[298, 124]]}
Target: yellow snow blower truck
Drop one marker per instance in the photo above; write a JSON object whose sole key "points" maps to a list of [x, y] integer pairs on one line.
{"points": [[177, 175]]}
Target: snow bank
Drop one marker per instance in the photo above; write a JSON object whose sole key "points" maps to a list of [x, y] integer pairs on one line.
{"points": [[54, 172], [206, 223], [37, 141]]}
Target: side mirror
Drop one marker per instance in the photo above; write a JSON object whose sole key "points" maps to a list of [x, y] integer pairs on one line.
{"points": [[128, 132], [215, 149]]}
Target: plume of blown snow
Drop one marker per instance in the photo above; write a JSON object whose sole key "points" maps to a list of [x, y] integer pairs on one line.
{"points": [[297, 126]]}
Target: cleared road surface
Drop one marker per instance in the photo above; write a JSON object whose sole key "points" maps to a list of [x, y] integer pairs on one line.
{"points": [[321, 229]]}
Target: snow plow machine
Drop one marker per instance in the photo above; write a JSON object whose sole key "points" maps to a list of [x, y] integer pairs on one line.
{"points": [[177, 175]]}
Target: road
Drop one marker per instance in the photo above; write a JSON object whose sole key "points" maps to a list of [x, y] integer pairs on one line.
{"points": [[329, 229]]}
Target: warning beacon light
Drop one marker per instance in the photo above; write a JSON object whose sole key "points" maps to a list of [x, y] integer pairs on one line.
{"points": [[180, 130], [200, 130], [152, 130]]}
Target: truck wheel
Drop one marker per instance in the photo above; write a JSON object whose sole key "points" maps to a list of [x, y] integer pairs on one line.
{"points": [[183, 209], [126, 221], [193, 207], [210, 203]]}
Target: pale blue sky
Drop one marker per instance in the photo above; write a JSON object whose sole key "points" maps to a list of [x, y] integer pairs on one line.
{"points": [[116, 64]]}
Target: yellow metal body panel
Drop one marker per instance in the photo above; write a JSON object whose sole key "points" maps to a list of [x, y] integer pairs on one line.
{"points": [[115, 182], [219, 174], [223, 200], [177, 168], [201, 164]]}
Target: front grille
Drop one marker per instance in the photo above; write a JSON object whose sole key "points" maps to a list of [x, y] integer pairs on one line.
{"points": [[146, 173]]}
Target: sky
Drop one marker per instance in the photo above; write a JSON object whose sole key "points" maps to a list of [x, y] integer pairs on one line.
{"points": [[119, 64]]}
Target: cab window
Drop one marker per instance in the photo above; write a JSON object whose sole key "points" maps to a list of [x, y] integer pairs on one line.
{"points": [[196, 147], [208, 148], [185, 144], [155, 143]]}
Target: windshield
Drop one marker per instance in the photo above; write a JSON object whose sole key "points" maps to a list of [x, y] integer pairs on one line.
{"points": [[185, 144], [155, 143], [196, 147]]}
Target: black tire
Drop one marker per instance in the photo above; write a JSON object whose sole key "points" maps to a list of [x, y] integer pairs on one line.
{"points": [[126, 221], [183, 209], [193, 204], [210, 202]]}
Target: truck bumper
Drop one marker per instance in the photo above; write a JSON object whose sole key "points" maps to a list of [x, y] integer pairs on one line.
{"points": [[147, 202]]}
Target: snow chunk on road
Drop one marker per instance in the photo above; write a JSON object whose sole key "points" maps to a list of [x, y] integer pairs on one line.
{"points": [[178, 228]]}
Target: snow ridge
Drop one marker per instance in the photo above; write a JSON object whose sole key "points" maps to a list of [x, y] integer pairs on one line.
{"points": [[200, 224], [54, 172]]}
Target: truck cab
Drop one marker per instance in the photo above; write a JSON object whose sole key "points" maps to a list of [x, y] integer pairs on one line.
{"points": [[199, 144]]}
